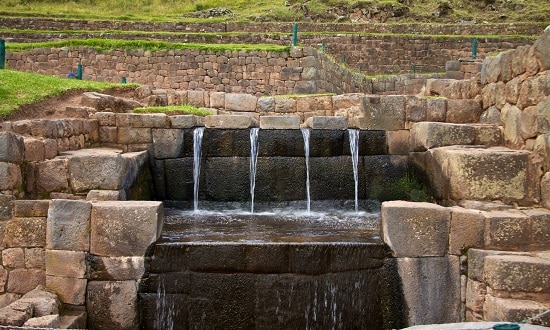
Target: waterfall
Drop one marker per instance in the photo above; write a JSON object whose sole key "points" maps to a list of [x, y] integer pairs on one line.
{"points": [[305, 134], [197, 143], [354, 149], [253, 160], [164, 309]]}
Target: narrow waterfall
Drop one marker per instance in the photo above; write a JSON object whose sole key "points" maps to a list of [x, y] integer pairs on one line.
{"points": [[197, 143], [354, 149], [253, 160], [305, 134], [164, 309]]}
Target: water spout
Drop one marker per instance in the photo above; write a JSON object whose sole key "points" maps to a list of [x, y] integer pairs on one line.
{"points": [[253, 160], [197, 143], [305, 134], [354, 149]]}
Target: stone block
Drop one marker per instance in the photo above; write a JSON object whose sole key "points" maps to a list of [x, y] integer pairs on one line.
{"points": [[45, 322], [34, 258], [196, 98], [383, 113], [43, 301], [70, 290], [121, 229], [431, 299], [23, 280], [13, 258], [25, 232], [545, 190], [113, 304], [327, 122], [416, 108], [133, 135], [31, 208], [507, 230], [34, 150], [116, 268], [543, 116], [156, 120], [488, 135], [415, 229], [266, 104], [8, 298], [452, 66], [512, 310], [64, 263], [12, 148], [467, 228], [516, 273], [106, 195], [167, 143], [6, 207], [11, 177], [230, 121], [108, 134], [183, 121], [240, 102], [52, 175], [462, 111], [280, 122], [345, 101], [475, 298], [398, 142], [436, 108], [476, 261], [471, 173], [285, 105], [313, 103], [68, 225], [511, 118], [542, 49], [428, 135], [73, 320], [105, 118], [16, 314]]}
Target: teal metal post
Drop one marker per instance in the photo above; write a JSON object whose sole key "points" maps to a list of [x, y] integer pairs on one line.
{"points": [[2, 54], [294, 35], [323, 46], [123, 80], [474, 48], [360, 68], [79, 72], [344, 59]]}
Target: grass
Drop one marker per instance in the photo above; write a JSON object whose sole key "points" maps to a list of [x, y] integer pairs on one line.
{"points": [[184, 109], [110, 44], [19, 88]]}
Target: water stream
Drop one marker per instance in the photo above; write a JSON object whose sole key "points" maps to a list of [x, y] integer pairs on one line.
{"points": [[354, 149], [197, 143], [305, 134], [253, 161]]}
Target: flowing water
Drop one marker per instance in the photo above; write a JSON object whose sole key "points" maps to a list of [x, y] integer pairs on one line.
{"points": [[253, 161], [305, 134], [197, 143], [354, 149]]}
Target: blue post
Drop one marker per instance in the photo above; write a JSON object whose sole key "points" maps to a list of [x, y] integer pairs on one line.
{"points": [[2, 54], [323, 46], [474, 48], [123, 80], [294, 35], [79, 72], [344, 59], [360, 68]]}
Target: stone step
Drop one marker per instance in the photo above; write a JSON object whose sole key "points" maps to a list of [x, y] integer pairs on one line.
{"points": [[428, 135], [516, 273], [230, 121], [327, 122]]}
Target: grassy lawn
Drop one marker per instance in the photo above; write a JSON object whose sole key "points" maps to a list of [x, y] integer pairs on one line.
{"points": [[19, 88]]}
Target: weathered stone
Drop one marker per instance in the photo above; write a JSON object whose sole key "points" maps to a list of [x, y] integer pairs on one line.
{"points": [[229, 121], [476, 262], [475, 299], [542, 147], [133, 135], [23, 280], [106, 118], [113, 304], [46, 321], [545, 190], [540, 227], [31, 208], [345, 101], [530, 93], [108, 134], [427, 135], [13, 258], [519, 54], [327, 122], [313, 103], [488, 135], [507, 229], [73, 319], [543, 116], [124, 228], [106, 195], [542, 49], [240, 102], [11, 178], [431, 299], [3, 279], [266, 104], [512, 90], [183, 121], [416, 109], [511, 310], [66, 263], [12, 149], [68, 225], [8, 298], [35, 258], [285, 105], [415, 229], [517, 273], [102, 101], [52, 175], [6, 207], [69, 290], [16, 314], [491, 116], [280, 122], [474, 174], [25, 232], [490, 70], [383, 112], [116, 268], [452, 66], [467, 228], [34, 150], [156, 120], [196, 98], [398, 142], [43, 301], [436, 108], [463, 111], [167, 143]]}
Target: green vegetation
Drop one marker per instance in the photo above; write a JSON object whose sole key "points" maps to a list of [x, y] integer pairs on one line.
{"points": [[297, 96], [184, 109], [19, 88], [109, 44], [285, 11]]}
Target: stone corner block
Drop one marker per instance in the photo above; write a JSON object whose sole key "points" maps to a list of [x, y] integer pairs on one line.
{"points": [[68, 225], [124, 228], [415, 229], [70, 290], [327, 122], [280, 122]]}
